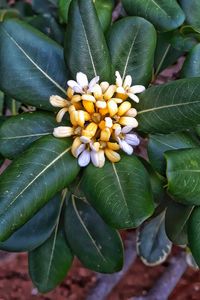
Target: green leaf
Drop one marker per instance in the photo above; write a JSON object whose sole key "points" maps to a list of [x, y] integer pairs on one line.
{"points": [[153, 246], [49, 263], [191, 66], [29, 65], [18, 132], [120, 192], [182, 42], [85, 45], [158, 144], [176, 222], [133, 53], [157, 182], [37, 230], [192, 11], [164, 15], [104, 11], [63, 9], [32, 179], [98, 246], [183, 174], [8, 13], [45, 7], [49, 26], [194, 234], [1, 102], [170, 107], [165, 54]]}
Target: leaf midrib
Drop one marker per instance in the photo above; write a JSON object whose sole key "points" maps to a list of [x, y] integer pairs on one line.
{"points": [[32, 181], [34, 63]]}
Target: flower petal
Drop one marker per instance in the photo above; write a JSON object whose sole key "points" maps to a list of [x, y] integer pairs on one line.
{"points": [[133, 97], [82, 79], [127, 129], [132, 139], [126, 147], [119, 81], [136, 89], [127, 82], [63, 131], [94, 81], [84, 158]]}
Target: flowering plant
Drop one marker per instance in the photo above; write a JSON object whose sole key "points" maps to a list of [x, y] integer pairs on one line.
{"points": [[75, 178]]}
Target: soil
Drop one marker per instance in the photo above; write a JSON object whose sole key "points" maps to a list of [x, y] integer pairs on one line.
{"points": [[15, 283]]}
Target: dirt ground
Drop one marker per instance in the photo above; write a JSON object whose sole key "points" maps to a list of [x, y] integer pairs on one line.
{"points": [[15, 283]]}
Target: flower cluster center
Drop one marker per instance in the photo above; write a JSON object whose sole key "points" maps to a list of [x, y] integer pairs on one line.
{"points": [[101, 116]]}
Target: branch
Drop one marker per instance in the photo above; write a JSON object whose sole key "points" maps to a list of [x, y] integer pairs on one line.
{"points": [[167, 282], [106, 283]]}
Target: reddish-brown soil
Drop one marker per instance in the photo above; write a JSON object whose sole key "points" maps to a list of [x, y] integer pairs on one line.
{"points": [[15, 283]]}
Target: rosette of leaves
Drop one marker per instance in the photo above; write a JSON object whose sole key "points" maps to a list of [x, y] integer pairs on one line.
{"points": [[54, 210]]}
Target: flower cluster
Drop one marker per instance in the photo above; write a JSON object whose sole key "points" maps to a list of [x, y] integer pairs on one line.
{"points": [[102, 119]]}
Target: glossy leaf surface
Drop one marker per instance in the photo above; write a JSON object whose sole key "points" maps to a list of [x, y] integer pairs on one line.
{"points": [[158, 144], [121, 190], [85, 46], [133, 53], [97, 245], [42, 171], [153, 246], [36, 230], [29, 64], [170, 107], [183, 174], [18, 132], [194, 234], [165, 15], [176, 222]]}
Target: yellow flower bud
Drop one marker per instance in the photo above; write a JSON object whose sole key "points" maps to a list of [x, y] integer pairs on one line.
{"points": [[132, 112], [112, 107], [61, 114], [103, 111], [89, 106], [97, 91], [128, 121], [58, 101], [75, 98], [87, 97], [70, 92], [123, 108], [113, 146], [109, 92], [76, 143], [105, 135], [112, 155]]}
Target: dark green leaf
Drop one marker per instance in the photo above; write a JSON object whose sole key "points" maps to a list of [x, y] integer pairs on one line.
{"points": [[157, 182], [158, 144], [1, 102], [104, 11], [194, 234], [36, 230], [165, 54], [191, 9], [34, 178], [49, 26], [121, 192], [183, 43], [63, 9], [164, 15], [176, 222], [170, 107], [183, 174], [32, 65], [18, 132], [191, 66], [85, 45], [97, 245], [49, 263], [45, 7], [8, 13], [133, 53], [153, 246]]}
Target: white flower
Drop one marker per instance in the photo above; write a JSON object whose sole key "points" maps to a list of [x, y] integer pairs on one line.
{"points": [[126, 139], [126, 89], [82, 85]]}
